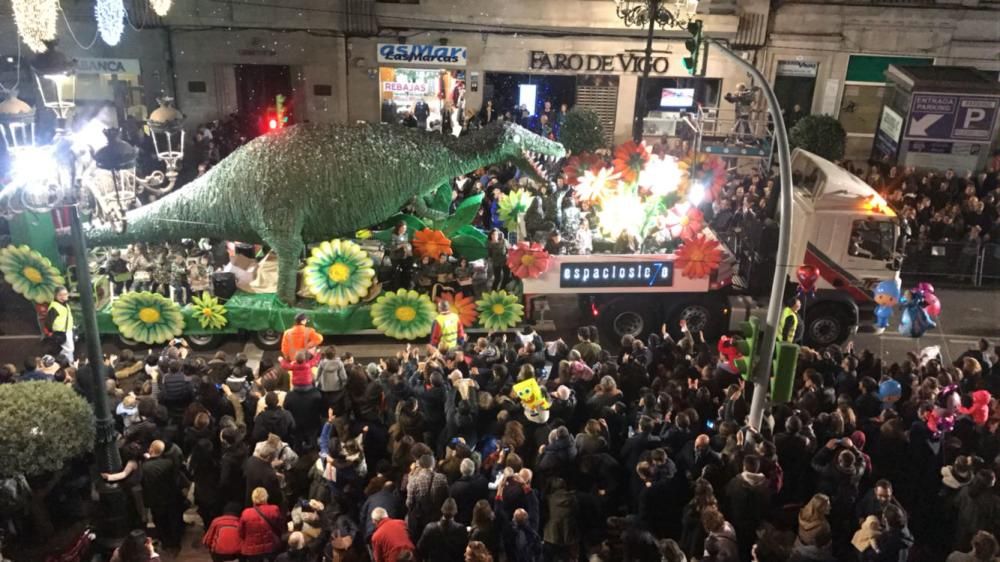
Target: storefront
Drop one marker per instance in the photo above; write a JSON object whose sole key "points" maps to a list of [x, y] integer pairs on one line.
{"points": [[99, 80], [407, 86]]}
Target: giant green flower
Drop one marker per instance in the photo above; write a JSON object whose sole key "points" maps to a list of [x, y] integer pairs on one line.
{"points": [[339, 273], [499, 310], [209, 312], [404, 315], [31, 274], [147, 317], [513, 205]]}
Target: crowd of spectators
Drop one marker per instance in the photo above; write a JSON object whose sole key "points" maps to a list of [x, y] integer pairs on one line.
{"points": [[942, 207], [644, 454]]}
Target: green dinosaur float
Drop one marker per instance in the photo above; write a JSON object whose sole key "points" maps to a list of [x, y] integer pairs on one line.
{"points": [[310, 183]]}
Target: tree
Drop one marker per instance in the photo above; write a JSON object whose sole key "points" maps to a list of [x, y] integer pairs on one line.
{"points": [[582, 131], [42, 426], [820, 134]]}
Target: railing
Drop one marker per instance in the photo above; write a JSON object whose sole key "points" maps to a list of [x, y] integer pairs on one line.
{"points": [[961, 262]]}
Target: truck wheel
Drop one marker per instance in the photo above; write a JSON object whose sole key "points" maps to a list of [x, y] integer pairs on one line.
{"points": [[699, 318], [203, 342], [624, 319], [267, 339], [824, 326]]}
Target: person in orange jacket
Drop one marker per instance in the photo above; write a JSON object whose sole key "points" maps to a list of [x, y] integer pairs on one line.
{"points": [[299, 337]]}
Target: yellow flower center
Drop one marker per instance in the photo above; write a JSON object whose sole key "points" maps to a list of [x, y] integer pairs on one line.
{"points": [[207, 311], [498, 309], [32, 274], [149, 315], [406, 314], [528, 259], [338, 272]]}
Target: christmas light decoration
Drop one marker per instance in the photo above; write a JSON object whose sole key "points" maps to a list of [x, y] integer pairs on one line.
{"points": [[161, 7], [36, 22], [110, 20]]}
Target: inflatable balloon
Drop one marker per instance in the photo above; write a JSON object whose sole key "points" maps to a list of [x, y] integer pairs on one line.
{"points": [[728, 354], [931, 303], [889, 392], [807, 276], [886, 295], [915, 321], [980, 409], [942, 418]]}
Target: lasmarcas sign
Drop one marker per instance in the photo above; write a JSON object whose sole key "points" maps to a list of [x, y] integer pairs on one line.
{"points": [[438, 55]]}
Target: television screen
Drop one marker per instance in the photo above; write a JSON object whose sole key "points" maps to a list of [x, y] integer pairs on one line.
{"points": [[677, 97]]}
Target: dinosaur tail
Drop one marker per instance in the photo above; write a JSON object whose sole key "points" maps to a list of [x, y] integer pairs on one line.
{"points": [[190, 212]]}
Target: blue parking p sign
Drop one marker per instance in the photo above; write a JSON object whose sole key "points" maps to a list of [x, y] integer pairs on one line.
{"points": [[951, 117]]}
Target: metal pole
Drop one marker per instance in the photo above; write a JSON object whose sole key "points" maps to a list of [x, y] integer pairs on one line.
{"points": [[638, 124], [761, 379], [113, 520]]}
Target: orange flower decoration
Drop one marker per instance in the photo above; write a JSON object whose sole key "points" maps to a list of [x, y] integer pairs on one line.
{"points": [[431, 243], [580, 164], [463, 306], [698, 257], [685, 221], [528, 261], [630, 158]]}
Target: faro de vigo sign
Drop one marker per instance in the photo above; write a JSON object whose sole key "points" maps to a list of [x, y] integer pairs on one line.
{"points": [[575, 62]]}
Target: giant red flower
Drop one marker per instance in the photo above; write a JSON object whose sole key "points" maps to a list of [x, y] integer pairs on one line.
{"points": [[685, 221], [698, 257], [629, 160], [431, 243], [580, 164], [463, 306], [709, 171], [528, 261]]}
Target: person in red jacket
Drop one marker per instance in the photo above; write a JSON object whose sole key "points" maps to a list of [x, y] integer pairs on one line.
{"points": [[223, 536], [390, 538], [260, 528], [301, 369]]}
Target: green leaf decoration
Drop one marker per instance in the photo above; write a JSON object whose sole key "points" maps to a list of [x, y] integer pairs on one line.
{"points": [[515, 204], [404, 315], [147, 317], [469, 247], [499, 310], [209, 312], [464, 214], [31, 274], [339, 273], [440, 200]]}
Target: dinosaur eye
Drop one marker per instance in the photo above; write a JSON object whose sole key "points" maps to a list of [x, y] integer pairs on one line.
{"points": [[517, 138]]}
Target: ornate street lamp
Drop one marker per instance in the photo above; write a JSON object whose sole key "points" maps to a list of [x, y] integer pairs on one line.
{"points": [[17, 124], [650, 14], [55, 74], [167, 127], [114, 185]]}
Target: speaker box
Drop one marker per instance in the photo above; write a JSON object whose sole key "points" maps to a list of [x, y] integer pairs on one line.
{"points": [[224, 284]]}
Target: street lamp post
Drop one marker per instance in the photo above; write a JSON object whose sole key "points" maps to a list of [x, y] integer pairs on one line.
{"points": [[761, 379], [649, 14]]}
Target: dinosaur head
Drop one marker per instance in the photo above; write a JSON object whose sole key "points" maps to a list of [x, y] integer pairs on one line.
{"points": [[507, 142]]}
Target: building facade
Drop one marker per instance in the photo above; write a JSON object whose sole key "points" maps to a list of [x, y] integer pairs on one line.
{"points": [[367, 60]]}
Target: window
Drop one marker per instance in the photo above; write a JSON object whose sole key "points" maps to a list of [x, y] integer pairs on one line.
{"points": [[197, 87], [872, 240], [806, 176]]}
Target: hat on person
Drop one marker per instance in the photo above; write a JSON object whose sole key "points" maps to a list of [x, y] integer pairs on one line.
{"points": [[372, 370], [859, 439], [49, 365], [563, 392]]}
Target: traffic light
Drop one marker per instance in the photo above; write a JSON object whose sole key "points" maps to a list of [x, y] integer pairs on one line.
{"points": [[748, 347], [786, 358], [282, 115], [693, 45], [272, 123]]}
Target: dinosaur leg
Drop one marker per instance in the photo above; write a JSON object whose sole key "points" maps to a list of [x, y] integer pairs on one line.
{"points": [[289, 249]]}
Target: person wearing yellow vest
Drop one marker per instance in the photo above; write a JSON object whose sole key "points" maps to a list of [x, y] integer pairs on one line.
{"points": [[788, 328], [448, 331], [59, 325]]}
